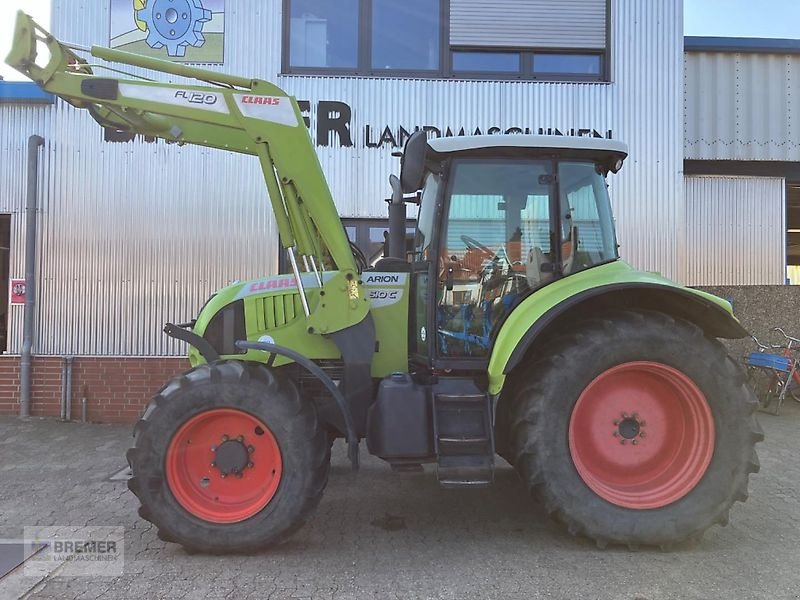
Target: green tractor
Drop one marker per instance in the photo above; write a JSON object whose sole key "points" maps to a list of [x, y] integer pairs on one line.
{"points": [[508, 326]]}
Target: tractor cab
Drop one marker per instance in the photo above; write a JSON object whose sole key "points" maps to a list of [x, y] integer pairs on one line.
{"points": [[499, 218]]}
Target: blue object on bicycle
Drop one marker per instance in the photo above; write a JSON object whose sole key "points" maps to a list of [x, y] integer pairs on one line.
{"points": [[769, 361]]}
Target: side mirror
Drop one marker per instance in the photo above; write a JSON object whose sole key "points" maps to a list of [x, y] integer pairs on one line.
{"points": [[412, 163]]}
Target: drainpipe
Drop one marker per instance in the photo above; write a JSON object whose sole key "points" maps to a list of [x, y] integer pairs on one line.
{"points": [[34, 142]]}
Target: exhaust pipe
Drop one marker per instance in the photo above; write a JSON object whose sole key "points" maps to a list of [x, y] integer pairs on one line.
{"points": [[397, 221]]}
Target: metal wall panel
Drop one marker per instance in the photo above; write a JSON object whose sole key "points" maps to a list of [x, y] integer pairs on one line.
{"points": [[529, 23], [736, 231], [135, 234], [741, 106]]}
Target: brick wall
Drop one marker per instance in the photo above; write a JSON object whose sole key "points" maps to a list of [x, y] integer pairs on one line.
{"points": [[116, 389]]}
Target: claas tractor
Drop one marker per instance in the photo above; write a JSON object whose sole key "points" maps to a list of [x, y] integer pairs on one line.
{"points": [[508, 326]]}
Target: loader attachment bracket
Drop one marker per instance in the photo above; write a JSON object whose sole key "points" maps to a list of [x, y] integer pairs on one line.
{"points": [[191, 338]]}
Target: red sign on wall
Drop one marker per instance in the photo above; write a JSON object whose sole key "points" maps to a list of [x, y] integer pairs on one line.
{"points": [[17, 291]]}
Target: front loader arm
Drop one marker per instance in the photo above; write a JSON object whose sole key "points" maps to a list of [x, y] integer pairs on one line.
{"points": [[238, 114]]}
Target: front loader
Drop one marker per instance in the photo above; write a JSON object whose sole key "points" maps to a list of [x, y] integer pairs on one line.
{"points": [[510, 327]]}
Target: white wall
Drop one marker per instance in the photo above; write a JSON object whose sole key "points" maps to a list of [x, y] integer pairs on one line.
{"points": [[742, 106], [735, 231]]}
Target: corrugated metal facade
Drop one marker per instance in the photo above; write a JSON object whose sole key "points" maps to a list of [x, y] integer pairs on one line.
{"points": [[534, 23], [742, 106], [735, 228], [136, 234]]}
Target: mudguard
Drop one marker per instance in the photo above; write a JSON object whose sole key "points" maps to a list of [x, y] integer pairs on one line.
{"points": [[617, 284]]}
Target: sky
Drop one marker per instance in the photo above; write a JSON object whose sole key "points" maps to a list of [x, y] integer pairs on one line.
{"points": [[38, 9], [731, 18], [742, 18]]}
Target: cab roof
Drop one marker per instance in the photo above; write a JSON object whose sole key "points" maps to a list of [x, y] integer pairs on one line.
{"points": [[447, 145]]}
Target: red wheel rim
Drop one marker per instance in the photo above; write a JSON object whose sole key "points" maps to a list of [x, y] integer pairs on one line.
{"points": [[223, 465], [641, 435]]}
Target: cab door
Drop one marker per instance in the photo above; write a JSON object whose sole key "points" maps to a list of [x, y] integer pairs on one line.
{"points": [[421, 321], [497, 243]]}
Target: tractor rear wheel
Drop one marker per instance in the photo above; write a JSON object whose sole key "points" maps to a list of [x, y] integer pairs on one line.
{"points": [[227, 458], [635, 428]]}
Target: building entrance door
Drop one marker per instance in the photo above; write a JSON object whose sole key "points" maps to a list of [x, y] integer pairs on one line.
{"points": [[5, 254]]}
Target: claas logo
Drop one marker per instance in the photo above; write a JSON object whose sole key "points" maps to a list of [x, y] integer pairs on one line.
{"points": [[270, 100]]}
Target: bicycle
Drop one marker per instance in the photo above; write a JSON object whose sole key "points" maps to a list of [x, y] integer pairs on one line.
{"points": [[773, 376]]}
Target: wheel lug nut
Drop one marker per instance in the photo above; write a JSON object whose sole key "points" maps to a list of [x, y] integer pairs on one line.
{"points": [[223, 475], [213, 448], [250, 449], [624, 415], [251, 465], [634, 442], [616, 421], [240, 438], [635, 415], [622, 441], [225, 438], [616, 434], [641, 434], [213, 464]]}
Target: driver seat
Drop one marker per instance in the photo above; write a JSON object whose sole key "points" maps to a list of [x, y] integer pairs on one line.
{"points": [[534, 269]]}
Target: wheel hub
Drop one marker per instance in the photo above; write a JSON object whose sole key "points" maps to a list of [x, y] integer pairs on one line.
{"points": [[231, 457], [629, 428]]}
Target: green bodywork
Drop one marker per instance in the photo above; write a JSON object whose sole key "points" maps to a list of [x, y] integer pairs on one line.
{"points": [[531, 309], [272, 308], [255, 117]]}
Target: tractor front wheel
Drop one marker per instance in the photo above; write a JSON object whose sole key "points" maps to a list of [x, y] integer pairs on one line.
{"points": [[228, 458], [635, 428]]}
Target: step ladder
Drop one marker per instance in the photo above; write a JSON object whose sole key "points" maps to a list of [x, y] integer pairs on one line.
{"points": [[464, 436]]}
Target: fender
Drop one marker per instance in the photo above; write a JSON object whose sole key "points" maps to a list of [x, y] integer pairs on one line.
{"points": [[311, 367], [611, 285]]}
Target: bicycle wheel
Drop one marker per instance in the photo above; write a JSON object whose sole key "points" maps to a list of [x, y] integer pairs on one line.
{"points": [[765, 383], [794, 391]]}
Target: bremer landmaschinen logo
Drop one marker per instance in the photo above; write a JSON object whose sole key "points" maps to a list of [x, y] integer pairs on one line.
{"points": [[76, 551]]}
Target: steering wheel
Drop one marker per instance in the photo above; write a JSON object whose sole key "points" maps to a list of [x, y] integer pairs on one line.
{"points": [[475, 244]]}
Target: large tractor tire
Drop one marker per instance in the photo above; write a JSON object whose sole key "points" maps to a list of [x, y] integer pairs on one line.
{"points": [[227, 458], [635, 428]]}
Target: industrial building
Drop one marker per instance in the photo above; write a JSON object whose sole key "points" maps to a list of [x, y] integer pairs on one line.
{"points": [[133, 232]]}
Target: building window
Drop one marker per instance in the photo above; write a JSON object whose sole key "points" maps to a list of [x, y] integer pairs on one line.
{"points": [[405, 35], [589, 65], [527, 64], [515, 39], [466, 61], [363, 37], [324, 34]]}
